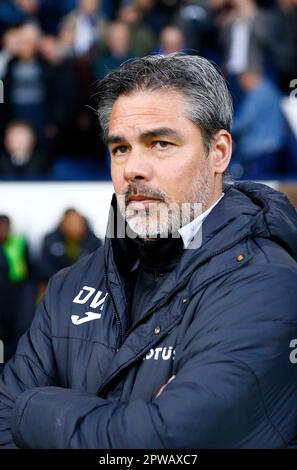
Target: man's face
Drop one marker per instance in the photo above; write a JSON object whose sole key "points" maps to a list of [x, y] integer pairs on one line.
{"points": [[19, 140], [172, 40], [28, 6], [158, 161], [89, 7], [28, 42], [73, 226]]}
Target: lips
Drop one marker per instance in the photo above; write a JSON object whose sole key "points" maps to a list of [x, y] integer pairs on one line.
{"points": [[140, 201], [140, 197]]}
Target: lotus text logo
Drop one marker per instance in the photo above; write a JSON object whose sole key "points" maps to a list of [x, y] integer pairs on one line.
{"points": [[160, 353]]}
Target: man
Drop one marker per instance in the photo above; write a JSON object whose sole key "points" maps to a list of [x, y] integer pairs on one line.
{"points": [[69, 241], [86, 25], [259, 126], [177, 342], [20, 158]]}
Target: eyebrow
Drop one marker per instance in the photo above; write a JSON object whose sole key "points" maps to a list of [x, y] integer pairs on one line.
{"points": [[158, 132]]}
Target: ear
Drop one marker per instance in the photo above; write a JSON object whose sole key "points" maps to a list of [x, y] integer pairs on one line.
{"points": [[221, 151]]}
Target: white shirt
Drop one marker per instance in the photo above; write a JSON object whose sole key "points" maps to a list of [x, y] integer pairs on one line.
{"points": [[239, 47], [188, 232], [84, 35]]}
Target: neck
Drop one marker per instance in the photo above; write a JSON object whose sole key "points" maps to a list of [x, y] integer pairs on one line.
{"points": [[161, 254]]}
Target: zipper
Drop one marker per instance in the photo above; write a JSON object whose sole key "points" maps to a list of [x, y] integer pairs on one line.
{"points": [[119, 340], [150, 312], [181, 285]]}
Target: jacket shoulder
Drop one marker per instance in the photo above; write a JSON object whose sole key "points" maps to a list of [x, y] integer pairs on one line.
{"points": [[89, 268], [270, 252]]}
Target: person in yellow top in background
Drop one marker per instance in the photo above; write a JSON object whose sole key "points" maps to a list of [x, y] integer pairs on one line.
{"points": [[15, 250], [22, 292]]}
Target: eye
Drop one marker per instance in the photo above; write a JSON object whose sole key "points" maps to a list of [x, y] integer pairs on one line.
{"points": [[162, 144], [119, 151]]}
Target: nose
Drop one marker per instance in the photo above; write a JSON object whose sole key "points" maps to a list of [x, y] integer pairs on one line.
{"points": [[137, 166]]}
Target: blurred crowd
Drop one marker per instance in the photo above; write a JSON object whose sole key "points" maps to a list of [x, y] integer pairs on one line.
{"points": [[52, 52], [23, 278]]}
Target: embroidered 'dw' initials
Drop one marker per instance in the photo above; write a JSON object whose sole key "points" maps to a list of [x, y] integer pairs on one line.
{"points": [[82, 297]]}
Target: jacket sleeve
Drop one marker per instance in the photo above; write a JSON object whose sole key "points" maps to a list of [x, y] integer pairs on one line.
{"points": [[32, 366], [216, 398]]}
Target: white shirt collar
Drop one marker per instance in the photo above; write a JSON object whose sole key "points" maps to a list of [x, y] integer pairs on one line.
{"points": [[188, 232]]}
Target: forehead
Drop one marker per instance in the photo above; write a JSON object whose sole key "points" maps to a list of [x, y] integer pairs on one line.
{"points": [[142, 108], [20, 130]]}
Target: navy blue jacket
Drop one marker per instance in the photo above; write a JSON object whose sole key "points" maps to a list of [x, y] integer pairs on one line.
{"points": [[221, 323]]}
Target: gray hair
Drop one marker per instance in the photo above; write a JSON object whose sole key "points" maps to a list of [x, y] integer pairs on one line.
{"points": [[210, 103]]}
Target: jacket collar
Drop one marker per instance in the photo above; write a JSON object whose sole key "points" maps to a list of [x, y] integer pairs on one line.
{"points": [[247, 209]]}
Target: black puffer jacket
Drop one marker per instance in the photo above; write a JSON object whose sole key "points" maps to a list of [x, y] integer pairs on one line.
{"points": [[221, 323]]}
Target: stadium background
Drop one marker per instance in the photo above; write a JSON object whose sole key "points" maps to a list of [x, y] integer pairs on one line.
{"points": [[52, 52]]}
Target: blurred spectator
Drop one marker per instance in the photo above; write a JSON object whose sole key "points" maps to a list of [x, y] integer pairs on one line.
{"points": [[50, 14], [47, 13], [20, 159], [66, 38], [62, 96], [152, 14], [10, 42], [25, 94], [195, 19], [15, 12], [143, 39], [283, 38], [51, 51], [72, 239], [16, 251], [169, 7], [80, 35], [259, 127], [171, 40], [42, 88], [22, 292], [28, 7], [245, 35], [118, 42], [83, 27]]}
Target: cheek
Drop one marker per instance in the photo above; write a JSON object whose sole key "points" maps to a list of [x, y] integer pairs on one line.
{"points": [[177, 180], [117, 178]]}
